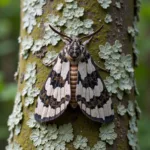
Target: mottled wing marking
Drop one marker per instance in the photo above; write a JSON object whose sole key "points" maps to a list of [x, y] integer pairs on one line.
{"points": [[55, 94], [91, 93]]}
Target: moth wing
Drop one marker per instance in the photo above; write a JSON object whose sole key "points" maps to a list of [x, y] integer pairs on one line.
{"points": [[91, 93], [56, 93]]}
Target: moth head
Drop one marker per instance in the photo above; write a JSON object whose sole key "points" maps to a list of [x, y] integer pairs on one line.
{"points": [[75, 46]]}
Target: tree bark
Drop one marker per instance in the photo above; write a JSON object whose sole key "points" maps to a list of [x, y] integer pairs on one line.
{"points": [[122, 18]]}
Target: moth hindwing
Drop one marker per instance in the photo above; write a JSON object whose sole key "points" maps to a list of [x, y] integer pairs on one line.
{"points": [[74, 80]]}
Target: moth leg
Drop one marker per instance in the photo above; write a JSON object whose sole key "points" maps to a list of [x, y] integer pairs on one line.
{"points": [[100, 68]]}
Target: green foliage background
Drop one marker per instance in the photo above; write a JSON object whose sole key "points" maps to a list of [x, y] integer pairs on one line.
{"points": [[9, 32]]}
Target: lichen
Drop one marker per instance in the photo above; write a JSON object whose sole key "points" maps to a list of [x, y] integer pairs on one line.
{"points": [[14, 125], [133, 124], [59, 6], [14, 146], [105, 3], [120, 68], [16, 116], [31, 9], [68, 1], [71, 15], [131, 108], [70, 19], [80, 142], [133, 141], [29, 91], [100, 145], [18, 129], [108, 18], [26, 44], [118, 5], [121, 109], [65, 132], [50, 136], [133, 129], [37, 46], [132, 31], [107, 133], [51, 37], [32, 123], [49, 58]]}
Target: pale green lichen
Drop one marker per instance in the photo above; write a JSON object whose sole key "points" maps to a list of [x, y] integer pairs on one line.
{"points": [[105, 3], [133, 124], [133, 141], [70, 19], [100, 145], [16, 116], [107, 133], [19, 39], [38, 136], [18, 129], [37, 46], [9, 140], [131, 108], [121, 109], [26, 44], [30, 71], [14, 146], [59, 6], [32, 123], [14, 125], [80, 142], [51, 37], [29, 91], [108, 18], [118, 5], [88, 148], [49, 136], [31, 9], [120, 67], [68, 1], [132, 31], [49, 58], [133, 129], [65, 131]]}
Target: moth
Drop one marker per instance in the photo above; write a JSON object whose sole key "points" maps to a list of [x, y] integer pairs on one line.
{"points": [[75, 80]]}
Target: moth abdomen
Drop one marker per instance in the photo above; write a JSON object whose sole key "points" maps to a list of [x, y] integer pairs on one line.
{"points": [[73, 83]]}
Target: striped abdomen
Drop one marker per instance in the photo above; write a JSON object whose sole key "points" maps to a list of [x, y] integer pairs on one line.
{"points": [[73, 83]]}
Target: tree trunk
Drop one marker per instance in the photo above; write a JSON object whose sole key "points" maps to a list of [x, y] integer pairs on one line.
{"points": [[112, 48]]}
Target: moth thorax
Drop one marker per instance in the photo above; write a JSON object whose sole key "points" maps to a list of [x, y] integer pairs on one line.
{"points": [[73, 83]]}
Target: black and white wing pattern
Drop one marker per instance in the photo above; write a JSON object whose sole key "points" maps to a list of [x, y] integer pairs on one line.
{"points": [[91, 93], [55, 94]]}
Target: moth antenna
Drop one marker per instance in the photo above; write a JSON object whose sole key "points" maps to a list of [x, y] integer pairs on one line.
{"points": [[92, 33], [61, 34]]}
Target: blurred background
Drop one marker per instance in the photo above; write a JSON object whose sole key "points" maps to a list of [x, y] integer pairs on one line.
{"points": [[9, 32]]}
